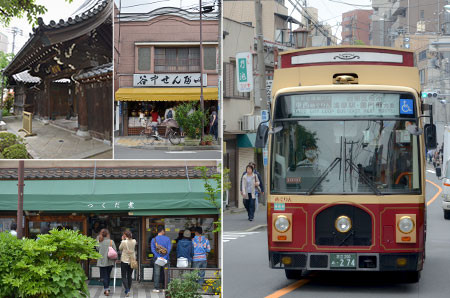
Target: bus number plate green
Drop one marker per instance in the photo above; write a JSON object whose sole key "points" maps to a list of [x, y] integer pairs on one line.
{"points": [[343, 261]]}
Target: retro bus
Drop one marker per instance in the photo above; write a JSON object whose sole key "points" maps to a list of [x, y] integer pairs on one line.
{"points": [[346, 143]]}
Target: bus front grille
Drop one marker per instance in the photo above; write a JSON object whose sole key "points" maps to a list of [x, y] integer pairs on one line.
{"points": [[360, 233]]}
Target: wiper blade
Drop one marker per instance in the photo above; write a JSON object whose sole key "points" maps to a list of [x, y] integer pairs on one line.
{"points": [[364, 178], [322, 177]]}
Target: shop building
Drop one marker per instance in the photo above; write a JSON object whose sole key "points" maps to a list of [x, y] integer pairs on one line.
{"points": [[157, 63], [65, 71], [88, 196]]}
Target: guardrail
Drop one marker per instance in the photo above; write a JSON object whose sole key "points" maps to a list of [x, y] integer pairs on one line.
{"points": [[212, 281], [27, 124]]}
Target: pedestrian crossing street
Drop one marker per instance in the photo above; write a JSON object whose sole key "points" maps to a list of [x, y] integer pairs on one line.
{"points": [[229, 236]]}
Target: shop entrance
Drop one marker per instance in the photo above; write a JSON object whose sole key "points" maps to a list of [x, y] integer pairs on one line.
{"points": [[116, 225]]}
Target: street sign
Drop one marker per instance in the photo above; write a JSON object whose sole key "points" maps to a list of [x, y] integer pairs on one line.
{"points": [[406, 39], [407, 46], [244, 71], [264, 118]]}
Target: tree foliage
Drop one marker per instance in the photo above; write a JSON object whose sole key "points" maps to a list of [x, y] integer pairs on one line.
{"points": [[213, 189], [10, 9], [46, 267]]}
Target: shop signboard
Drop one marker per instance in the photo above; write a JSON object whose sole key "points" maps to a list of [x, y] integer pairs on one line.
{"points": [[244, 71], [169, 80]]}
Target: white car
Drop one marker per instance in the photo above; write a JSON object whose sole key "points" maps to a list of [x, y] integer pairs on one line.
{"points": [[446, 191]]}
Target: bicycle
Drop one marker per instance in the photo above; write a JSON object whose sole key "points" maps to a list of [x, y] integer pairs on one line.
{"points": [[150, 134], [174, 136]]}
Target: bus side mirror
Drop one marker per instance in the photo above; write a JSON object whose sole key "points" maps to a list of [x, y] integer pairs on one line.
{"points": [[430, 136], [262, 135]]}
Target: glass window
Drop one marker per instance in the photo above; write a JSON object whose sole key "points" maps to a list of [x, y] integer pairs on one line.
{"points": [[177, 59], [43, 227], [347, 155], [230, 83], [144, 58], [5, 223], [209, 58], [175, 226]]}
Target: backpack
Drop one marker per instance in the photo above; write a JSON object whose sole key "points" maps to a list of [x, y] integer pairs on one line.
{"points": [[169, 114]]}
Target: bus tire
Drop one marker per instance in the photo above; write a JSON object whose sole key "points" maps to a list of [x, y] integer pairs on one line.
{"points": [[447, 214], [411, 277], [293, 274]]}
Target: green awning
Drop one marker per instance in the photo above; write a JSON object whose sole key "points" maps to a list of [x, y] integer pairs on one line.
{"points": [[246, 141], [140, 196]]}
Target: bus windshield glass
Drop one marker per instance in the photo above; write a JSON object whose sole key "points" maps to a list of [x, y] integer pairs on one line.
{"points": [[350, 148]]}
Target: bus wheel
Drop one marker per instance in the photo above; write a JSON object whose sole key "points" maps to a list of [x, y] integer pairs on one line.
{"points": [[411, 277], [293, 274], [447, 214]]}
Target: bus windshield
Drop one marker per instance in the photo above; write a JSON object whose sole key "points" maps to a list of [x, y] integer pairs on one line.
{"points": [[369, 150]]}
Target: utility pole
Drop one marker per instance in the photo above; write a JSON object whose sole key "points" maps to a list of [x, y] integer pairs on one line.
{"points": [[20, 200], [15, 31], [260, 55], [202, 106]]}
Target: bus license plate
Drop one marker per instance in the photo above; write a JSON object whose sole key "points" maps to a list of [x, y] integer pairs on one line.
{"points": [[343, 261]]}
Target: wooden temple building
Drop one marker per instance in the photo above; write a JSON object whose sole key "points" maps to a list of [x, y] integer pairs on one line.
{"points": [[65, 71]]}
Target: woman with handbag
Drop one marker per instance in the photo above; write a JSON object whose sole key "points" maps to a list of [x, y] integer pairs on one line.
{"points": [[128, 260], [107, 248], [185, 250], [250, 184]]}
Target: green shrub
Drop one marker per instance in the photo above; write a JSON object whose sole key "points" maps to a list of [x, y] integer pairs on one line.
{"points": [[47, 267], [17, 151], [185, 287], [6, 140], [5, 113], [189, 118]]}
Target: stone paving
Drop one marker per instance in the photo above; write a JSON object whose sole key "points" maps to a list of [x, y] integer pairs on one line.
{"points": [[53, 142], [138, 290], [164, 144]]}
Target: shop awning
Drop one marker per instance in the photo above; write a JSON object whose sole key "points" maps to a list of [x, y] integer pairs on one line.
{"points": [[247, 140], [165, 94], [138, 196]]}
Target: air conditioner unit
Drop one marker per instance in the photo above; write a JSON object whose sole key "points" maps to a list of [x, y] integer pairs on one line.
{"points": [[257, 121], [248, 122]]}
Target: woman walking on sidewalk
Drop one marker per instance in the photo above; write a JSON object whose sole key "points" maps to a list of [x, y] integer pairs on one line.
{"points": [[106, 264], [250, 183], [127, 248]]}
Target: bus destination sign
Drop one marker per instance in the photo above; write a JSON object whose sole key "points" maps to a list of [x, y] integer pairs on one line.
{"points": [[345, 104]]}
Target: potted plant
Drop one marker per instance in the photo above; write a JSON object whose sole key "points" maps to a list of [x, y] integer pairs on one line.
{"points": [[208, 139], [185, 287]]}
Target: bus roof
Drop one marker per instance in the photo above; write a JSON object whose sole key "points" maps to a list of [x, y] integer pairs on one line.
{"points": [[368, 65], [367, 55]]}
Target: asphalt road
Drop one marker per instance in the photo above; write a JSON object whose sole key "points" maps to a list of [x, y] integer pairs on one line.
{"points": [[121, 152], [247, 273]]}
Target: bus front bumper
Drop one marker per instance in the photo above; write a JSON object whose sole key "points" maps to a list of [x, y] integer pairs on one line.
{"points": [[359, 261]]}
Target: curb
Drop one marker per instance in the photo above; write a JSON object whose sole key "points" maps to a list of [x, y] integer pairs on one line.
{"points": [[174, 148], [256, 228]]}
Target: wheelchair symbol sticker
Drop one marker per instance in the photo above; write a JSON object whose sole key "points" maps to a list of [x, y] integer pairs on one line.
{"points": [[406, 107]]}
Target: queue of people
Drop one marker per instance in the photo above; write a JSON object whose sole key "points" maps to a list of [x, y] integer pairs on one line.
{"points": [[191, 253]]}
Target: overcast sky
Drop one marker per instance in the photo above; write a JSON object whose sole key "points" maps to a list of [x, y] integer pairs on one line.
{"points": [[329, 11], [56, 10]]}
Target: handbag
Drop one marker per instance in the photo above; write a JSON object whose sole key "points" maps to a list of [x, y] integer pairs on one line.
{"points": [[182, 262], [160, 249], [161, 262], [112, 253], [257, 186], [133, 263]]}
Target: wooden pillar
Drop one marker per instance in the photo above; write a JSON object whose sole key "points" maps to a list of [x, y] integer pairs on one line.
{"points": [[46, 101], [80, 94]]}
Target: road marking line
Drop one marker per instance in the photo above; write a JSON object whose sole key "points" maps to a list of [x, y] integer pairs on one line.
{"points": [[436, 195], [431, 171], [225, 240], [289, 288], [179, 152], [255, 228]]}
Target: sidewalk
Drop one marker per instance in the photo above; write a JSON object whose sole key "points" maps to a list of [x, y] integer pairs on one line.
{"points": [[237, 219], [52, 142], [138, 290], [142, 143]]}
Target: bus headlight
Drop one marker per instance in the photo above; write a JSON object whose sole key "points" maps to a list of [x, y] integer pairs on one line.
{"points": [[282, 223], [343, 224], [405, 224]]}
